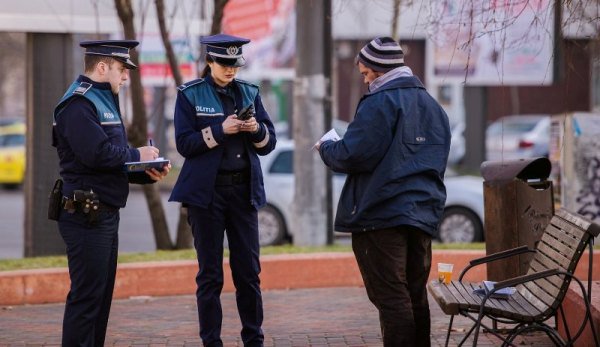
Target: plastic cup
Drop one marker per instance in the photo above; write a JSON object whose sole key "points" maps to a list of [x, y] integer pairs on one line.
{"points": [[445, 272]]}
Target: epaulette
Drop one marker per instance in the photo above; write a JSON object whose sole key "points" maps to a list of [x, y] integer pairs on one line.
{"points": [[190, 83], [246, 82], [82, 88]]}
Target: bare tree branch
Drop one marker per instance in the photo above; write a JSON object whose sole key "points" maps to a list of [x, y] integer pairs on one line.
{"points": [[164, 34], [138, 130], [218, 16]]}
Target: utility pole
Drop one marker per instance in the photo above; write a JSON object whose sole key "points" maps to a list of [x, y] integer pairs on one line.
{"points": [[312, 193]]}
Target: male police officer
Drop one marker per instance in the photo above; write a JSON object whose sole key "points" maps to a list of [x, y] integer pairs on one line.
{"points": [[90, 138]]}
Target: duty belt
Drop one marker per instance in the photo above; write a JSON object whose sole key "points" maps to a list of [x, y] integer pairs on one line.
{"points": [[73, 206], [232, 178]]}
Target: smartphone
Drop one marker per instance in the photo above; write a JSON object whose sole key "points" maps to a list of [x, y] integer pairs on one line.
{"points": [[246, 112]]}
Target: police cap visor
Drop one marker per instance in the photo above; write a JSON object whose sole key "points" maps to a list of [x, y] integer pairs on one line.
{"points": [[116, 49]]}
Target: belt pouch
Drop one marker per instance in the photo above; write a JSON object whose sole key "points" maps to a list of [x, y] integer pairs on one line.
{"points": [[55, 200]]}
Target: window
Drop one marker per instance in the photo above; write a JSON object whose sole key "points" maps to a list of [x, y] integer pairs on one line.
{"points": [[284, 163]]}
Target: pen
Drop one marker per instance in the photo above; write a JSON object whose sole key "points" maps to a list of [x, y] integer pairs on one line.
{"points": [[150, 142]]}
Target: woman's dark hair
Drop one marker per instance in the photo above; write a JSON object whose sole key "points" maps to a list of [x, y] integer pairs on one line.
{"points": [[206, 69]]}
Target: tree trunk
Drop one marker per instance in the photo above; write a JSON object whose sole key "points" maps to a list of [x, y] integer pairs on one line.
{"points": [[164, 34], [395, 19], [215, 28], [137, 131], [184, 233]]}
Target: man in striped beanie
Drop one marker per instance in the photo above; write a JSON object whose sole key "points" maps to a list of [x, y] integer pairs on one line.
{"points": [[394, 153]]}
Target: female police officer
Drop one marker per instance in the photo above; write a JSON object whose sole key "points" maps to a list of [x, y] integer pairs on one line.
{"points": [[221, 183], [90, 138]]}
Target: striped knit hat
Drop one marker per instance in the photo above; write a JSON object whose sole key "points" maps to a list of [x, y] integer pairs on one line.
{"points": [[381, 54]]}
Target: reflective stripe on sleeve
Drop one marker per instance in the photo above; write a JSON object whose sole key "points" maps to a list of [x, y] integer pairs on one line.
{"points": [[208, 137], [264, 142]]}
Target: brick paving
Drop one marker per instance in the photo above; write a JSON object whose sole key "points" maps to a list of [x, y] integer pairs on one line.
{"points": [[299, 317]]}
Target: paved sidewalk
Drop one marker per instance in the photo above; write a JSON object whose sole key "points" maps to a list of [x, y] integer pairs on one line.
{"points": [[300, 317]]}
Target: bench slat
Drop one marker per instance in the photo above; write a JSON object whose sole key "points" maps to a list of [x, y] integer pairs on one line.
{"points": [[447, 302], [575, 219], [568, 228], [535, 267], [567, 249], [560, 234], [545, 250]]}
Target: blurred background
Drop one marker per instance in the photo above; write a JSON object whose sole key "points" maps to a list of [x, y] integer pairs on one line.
{"points": [[516, 78]]}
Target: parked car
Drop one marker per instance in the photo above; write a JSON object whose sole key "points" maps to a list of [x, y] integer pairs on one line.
{"points": [[12, 155], [457, 144], [464, 211], [516, 137], [462, 220]]}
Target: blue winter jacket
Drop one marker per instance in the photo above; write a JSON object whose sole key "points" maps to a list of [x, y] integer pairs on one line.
{"points": [[395, 153], [199, 137]]}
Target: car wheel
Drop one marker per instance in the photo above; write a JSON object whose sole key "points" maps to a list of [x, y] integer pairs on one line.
{"points": [[271, 226], [460, 225]]}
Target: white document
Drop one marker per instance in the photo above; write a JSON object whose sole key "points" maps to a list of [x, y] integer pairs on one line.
{"points": [[330, 135]]}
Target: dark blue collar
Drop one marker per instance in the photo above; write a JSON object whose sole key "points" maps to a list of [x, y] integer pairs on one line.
{"points": [[229, 89], [99, 85]]}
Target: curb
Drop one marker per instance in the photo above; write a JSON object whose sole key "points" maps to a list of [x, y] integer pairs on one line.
{"points": [[285, 271]]}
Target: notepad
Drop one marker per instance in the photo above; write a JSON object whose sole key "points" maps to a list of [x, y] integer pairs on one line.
{"points": [[137, 166]]}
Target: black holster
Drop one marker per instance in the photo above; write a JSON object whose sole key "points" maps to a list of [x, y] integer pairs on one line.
{"points": [[55, 200], [88, 203]]}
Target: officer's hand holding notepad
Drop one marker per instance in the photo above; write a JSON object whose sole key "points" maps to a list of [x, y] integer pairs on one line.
{"points": [[138, 166]]}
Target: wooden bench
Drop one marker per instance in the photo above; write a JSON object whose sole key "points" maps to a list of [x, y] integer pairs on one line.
{"points": [[539, 293]]}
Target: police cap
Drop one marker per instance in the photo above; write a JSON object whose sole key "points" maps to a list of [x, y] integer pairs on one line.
{"points": [[117, 49], [225, 49]]}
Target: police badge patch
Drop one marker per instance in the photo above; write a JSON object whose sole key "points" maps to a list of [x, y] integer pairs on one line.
{"points": [[233, 50], [83, 87]]}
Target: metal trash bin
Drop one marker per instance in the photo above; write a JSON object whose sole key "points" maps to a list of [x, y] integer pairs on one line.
{"points": [[518, 203]]}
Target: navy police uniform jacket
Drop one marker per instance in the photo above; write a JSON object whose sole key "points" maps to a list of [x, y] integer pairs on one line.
{"points": [[395, 153], [90, 138], [200, 140]]}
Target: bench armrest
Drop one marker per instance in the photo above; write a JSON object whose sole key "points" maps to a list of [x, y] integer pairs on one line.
{"points": [[493, 257], [512, 282]]}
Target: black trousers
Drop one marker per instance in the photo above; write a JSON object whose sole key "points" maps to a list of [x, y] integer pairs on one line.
{"points": [[229, 212], [92, 256], [394, 264]]}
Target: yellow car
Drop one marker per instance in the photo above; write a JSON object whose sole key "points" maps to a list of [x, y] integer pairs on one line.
{"points": [[12, 155]]}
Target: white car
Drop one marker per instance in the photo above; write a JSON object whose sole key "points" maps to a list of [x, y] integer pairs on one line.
{"points": [[516, 137], [457, 144], [462, 220]]}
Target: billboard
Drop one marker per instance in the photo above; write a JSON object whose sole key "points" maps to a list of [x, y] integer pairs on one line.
{"points": [[492, 42], [154, 66], [271, 26]]}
